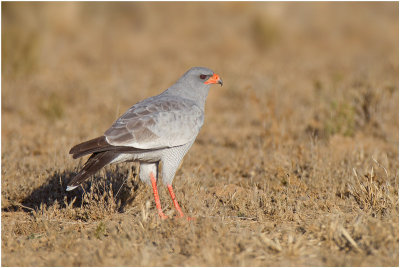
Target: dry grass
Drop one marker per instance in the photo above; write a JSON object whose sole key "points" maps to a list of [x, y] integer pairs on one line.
{"points": [[297, 163]]}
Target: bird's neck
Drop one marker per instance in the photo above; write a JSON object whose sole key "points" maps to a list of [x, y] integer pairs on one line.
{"points": [[196, 95]]}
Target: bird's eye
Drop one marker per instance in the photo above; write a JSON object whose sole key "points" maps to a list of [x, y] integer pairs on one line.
{"points": [[203, 76]]}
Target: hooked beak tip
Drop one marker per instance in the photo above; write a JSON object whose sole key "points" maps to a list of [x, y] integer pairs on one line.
{"points": [[215, 79]]}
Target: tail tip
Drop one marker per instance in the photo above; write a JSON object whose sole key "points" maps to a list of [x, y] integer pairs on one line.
{"points": [[70, 188]]}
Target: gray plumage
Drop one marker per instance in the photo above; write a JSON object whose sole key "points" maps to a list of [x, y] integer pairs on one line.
{"points": [[160, 128]]}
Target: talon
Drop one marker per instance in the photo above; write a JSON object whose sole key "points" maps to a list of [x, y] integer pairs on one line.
{"points": [[162, 215]]}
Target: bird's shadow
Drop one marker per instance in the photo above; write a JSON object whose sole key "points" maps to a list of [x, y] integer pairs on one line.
{"points": [[122, 181]]}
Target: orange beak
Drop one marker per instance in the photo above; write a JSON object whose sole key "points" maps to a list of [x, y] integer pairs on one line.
{"points": [[215, 79]]}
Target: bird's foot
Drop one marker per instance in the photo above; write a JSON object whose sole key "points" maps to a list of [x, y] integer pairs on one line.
{"points": [[162, 215], [176, 205]]}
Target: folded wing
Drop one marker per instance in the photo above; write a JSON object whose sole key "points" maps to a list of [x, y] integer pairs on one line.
{"points": [[157, 123]]}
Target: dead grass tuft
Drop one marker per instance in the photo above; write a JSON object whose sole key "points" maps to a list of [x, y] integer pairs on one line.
{"points": [[372, 194]]}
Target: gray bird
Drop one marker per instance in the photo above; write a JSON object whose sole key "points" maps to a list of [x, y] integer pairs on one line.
{"points": [[158, 129]]}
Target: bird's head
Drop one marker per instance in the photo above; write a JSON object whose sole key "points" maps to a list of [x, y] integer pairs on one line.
{"points": [[195, 84], [200, 76]]}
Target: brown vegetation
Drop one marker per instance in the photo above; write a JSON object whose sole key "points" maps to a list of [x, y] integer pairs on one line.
{"points": [[297, 163]]}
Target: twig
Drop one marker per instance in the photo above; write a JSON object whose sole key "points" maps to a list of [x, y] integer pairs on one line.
{"points": [[350, 239], [387, 174], [121, 187], [270, 243], [22, 206]]}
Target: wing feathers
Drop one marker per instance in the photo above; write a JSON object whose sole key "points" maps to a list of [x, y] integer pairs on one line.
{"points": [[157, 123], [95, 162], [153, 124], [91, 146], [100, 144]]}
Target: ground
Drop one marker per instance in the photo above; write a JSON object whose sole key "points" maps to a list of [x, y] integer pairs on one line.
{"points": [[296, 164]]}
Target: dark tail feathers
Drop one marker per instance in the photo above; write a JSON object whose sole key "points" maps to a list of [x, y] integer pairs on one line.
{"points": [[98, 144], [95, 162]]}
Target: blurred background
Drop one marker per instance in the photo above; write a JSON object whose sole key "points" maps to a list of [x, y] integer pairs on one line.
{"points": [[310, 91], [309, 63]]}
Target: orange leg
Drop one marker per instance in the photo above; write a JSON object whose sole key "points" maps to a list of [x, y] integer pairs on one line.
{"points": [[156, 196], [176, 205]]}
